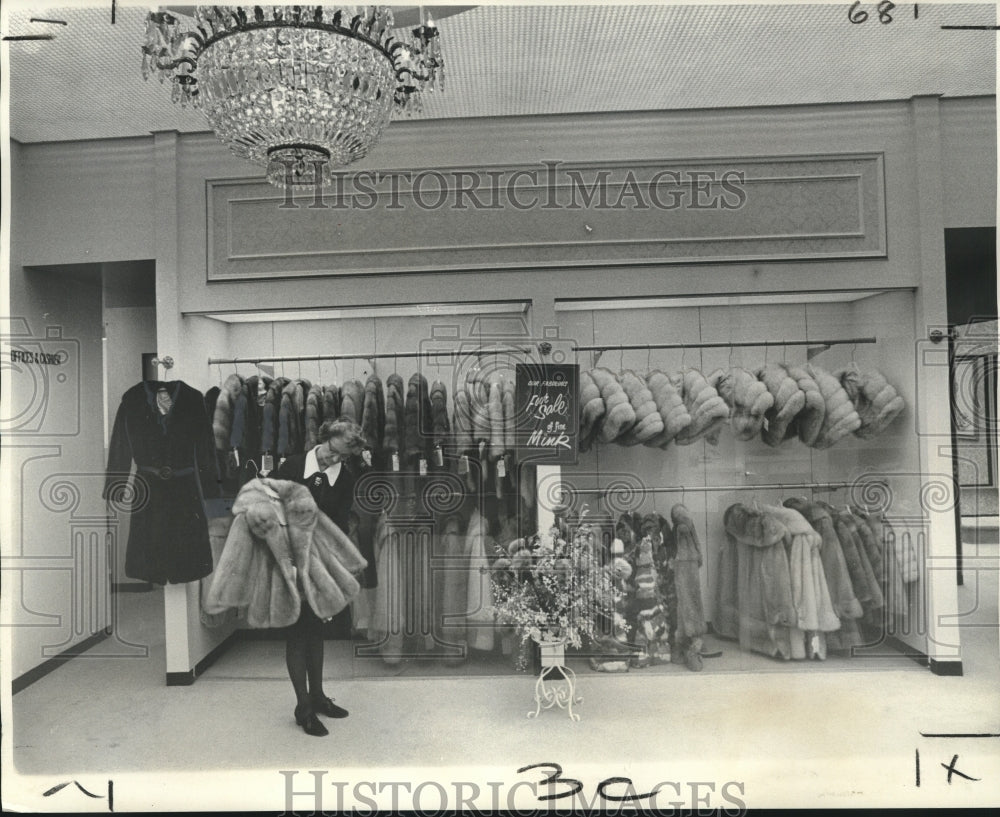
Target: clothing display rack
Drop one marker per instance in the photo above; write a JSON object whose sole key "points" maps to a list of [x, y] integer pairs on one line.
{"points": [[606, 347], [376, 356], [813, 486]]}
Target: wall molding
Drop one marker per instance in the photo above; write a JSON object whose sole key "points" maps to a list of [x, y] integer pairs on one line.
{"points": [[675, 211]]}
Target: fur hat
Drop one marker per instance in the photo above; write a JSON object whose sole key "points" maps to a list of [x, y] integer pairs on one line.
{"points": [[670, 406], [619, 416], [875, 400], [841, 418]]}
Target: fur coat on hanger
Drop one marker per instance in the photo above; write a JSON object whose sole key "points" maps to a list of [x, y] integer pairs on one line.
{"points": [[810, 594], [352, 400], [863, 579], [687, 562], [313, 417], [331, 402], [838, 579], [280, 551], [222, 419], [764, 602]]}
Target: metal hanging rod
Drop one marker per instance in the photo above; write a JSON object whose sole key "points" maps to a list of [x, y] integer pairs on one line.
{"points": [[679, 489], [721, 345], [212, 361]]}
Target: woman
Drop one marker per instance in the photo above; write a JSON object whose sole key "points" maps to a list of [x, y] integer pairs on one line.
{"points": [[325, 471]]}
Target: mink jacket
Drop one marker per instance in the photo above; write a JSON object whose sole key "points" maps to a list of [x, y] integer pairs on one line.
{"points": [[281, 550]]}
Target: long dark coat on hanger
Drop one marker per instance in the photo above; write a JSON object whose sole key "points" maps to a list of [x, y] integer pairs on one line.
{"points": [[174, 455]]}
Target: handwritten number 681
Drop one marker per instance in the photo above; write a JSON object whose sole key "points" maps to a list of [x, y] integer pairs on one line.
{"points": [[858, 15]]}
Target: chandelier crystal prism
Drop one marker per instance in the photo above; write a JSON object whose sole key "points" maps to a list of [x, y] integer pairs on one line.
{"points": [[298, 90]]}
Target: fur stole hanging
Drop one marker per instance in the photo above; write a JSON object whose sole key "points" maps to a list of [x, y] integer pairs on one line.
{"points": [[314, 417], [462, 421], [787, 401], [707, 409], [419, 423], [352, 398], [841, 419], [272, 410], [494, 409], [439, 415], [282, 548], [373, 412], [591, 410], [809, 421], [648, 422], [619, 415], [509, 417], [222, 420], [748, 399], [331, 402], [670, 406], [876, 401], [395, 415], [479, 399]]}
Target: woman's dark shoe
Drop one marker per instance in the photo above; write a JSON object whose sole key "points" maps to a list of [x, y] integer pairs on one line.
{"points": [[311, 725], [326, 706]]}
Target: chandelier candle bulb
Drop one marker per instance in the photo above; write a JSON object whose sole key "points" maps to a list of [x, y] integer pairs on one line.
{"points": [[298, 91]]}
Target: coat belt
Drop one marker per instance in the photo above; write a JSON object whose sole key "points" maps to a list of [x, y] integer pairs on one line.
{"points": [[165, 471]]}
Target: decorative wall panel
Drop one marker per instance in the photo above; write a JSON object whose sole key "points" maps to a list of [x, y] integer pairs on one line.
{"points": [[551, 215]]}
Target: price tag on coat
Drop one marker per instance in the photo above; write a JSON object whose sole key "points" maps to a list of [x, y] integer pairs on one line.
{"points": [[439, 455], [463, 464], [266, 464], [395, 461], [366, 455], [501, 467], [423, 467]]}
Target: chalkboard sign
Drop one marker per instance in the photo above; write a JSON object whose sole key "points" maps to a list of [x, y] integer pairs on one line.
{"points": [[546, 411]]}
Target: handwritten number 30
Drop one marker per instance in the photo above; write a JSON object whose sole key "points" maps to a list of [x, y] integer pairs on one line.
{"points": [[857, 15]]}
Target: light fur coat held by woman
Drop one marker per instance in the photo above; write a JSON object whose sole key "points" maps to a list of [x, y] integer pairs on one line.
{"points": [[282, 548]]}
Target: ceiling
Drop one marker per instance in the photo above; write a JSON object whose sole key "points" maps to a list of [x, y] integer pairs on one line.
{"points": [[508, 60]]}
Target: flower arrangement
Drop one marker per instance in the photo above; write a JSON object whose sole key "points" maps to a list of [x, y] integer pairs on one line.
{"points": [[553, 587]]}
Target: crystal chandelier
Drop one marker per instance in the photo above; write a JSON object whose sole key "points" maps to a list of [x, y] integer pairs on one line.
{"points": [[297, 89]]}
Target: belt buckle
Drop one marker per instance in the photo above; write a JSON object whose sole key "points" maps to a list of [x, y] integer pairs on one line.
{"points": [[165, 472]]}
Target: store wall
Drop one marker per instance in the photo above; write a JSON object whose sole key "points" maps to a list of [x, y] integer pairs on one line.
{"points": [[969, 162], [57, 570], [98, 201]]}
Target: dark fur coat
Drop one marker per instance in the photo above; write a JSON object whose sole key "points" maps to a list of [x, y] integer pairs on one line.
{"points": [[280, 550]]}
